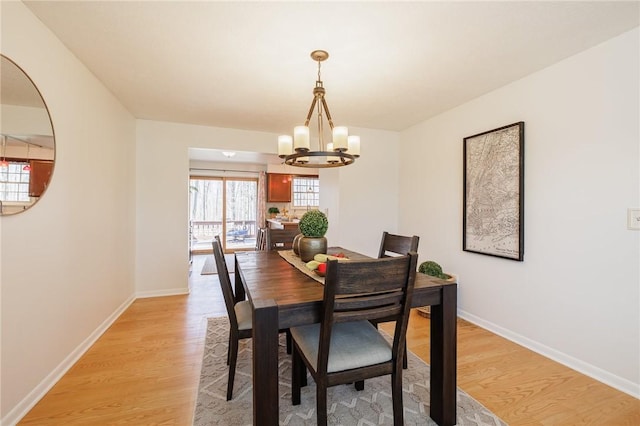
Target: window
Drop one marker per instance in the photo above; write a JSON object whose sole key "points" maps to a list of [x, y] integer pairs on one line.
{"points": [[306, 192], [14, 182]]}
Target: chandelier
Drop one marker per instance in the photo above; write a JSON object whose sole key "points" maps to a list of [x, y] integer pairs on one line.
{"points": [[296, 150]]}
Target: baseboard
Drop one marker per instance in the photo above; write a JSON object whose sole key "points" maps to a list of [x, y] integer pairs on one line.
{"points": [[587, 369], [161, 293], [24, 406]]}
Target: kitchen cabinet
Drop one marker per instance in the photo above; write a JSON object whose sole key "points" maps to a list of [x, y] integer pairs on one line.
{"points": [[278, 188], [40, 176]]}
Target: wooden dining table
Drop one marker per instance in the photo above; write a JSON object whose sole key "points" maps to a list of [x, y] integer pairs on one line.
{"points": [[282, 297]]}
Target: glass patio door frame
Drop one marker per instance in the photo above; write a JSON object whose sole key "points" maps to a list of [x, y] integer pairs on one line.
{"points": [[223, 236]]}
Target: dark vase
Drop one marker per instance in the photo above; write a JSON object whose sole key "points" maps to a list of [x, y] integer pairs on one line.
{"points": [[310, 246], [296, 242]]}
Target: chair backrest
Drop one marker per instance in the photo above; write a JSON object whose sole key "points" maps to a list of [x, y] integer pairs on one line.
{"points": [[261, 239], [225, 281], [397, 245], [368, 290], [281, 239]]}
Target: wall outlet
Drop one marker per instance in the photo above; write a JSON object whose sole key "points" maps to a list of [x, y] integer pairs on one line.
{"points": [[633, 219]]}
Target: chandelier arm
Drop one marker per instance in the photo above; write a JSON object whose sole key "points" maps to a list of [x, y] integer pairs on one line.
{"points": [[313, 105], [327, 113]]}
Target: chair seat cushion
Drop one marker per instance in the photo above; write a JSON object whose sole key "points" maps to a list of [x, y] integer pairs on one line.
{"points": [[353, 345], [243, 314]]}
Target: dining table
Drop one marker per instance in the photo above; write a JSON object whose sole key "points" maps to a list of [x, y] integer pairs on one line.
{"points": [[282, 295]]}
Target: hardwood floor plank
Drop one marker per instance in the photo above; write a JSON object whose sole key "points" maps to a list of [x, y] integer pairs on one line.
{"points": [[144, 370]]}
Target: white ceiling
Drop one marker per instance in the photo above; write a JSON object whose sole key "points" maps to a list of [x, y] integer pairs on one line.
{"points": [[246, 65]]}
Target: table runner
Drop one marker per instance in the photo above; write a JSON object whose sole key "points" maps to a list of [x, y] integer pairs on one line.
{"points": [[295, 260]]}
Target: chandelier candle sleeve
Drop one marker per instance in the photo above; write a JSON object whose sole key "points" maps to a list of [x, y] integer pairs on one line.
{"points": [[354, 145], [285, 145], [340, 135], [301, 138]]}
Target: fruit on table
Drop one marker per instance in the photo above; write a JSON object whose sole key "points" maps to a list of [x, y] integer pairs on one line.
{"points": [[322, 268], [312, 264], [320, 257]]}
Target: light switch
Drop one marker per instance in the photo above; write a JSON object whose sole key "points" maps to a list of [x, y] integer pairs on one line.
{"points": [[633, 219]]}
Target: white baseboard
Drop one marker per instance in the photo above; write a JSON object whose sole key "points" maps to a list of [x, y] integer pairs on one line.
{"points": [[161, 293], [24, 406], [592, 371]]}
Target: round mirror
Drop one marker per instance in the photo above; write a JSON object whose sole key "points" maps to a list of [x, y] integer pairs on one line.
{"points": [[27, 144]]}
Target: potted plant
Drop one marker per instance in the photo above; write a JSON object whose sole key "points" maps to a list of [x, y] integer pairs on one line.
{"points": [[273, 211], [313, 225], [433, 269]]}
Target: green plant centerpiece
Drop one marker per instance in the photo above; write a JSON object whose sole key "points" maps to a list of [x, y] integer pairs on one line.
{"points": [[313, 225], [433, 269]]}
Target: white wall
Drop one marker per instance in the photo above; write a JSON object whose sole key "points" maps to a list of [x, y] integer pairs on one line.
{"points": [[362, 199], [162, 174], [575, 297], [67, 263]]}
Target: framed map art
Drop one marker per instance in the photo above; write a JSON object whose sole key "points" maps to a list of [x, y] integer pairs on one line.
{"points": [[493, 217]]}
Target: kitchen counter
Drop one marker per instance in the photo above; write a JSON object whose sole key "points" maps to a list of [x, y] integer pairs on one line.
{"points": [[282, 224]]}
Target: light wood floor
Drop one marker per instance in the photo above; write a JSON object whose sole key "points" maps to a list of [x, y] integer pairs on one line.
{"points": [[144, 371]]}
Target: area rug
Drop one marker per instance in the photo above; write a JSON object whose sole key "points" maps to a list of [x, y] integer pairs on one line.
{"points": [[209, 267], [346, 406]]}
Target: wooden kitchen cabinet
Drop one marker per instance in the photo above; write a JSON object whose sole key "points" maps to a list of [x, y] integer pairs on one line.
{"points": [[278, 188], [40, 176]]}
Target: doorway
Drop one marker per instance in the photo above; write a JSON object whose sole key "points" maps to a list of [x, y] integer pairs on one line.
{"points": [[222, 206]]}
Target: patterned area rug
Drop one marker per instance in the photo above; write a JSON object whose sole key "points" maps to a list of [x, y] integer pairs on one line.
{"points": [[346, 406]]}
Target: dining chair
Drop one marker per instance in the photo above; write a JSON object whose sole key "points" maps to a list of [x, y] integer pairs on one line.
{"points": [[281, 239], [240, 315], [240, 320], [393, 245], [397, 245], [345, 347]]}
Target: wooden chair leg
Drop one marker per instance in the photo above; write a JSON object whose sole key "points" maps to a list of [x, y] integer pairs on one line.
{"points": [[321, 404], [229, 347], [296, 362], [288, 336], [233, 355], [405, 360], [396, 391]]}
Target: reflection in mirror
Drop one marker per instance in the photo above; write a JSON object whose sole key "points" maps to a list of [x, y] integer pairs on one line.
{"points": [[27, 149]]}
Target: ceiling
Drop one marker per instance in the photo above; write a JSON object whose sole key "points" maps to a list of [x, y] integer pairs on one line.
{"points": [[246, 65]]}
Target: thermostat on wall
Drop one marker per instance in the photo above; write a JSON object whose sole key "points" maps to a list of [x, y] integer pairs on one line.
{"points": [[633, 219]]}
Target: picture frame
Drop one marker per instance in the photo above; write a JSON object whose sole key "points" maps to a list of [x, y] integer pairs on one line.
{"points": [[493, 216]]}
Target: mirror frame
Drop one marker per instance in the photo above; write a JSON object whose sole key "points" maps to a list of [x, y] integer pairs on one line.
{"points": [[33, 200]]}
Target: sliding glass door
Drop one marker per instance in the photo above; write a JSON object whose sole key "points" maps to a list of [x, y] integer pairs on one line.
{"points": [[222, 206]]}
